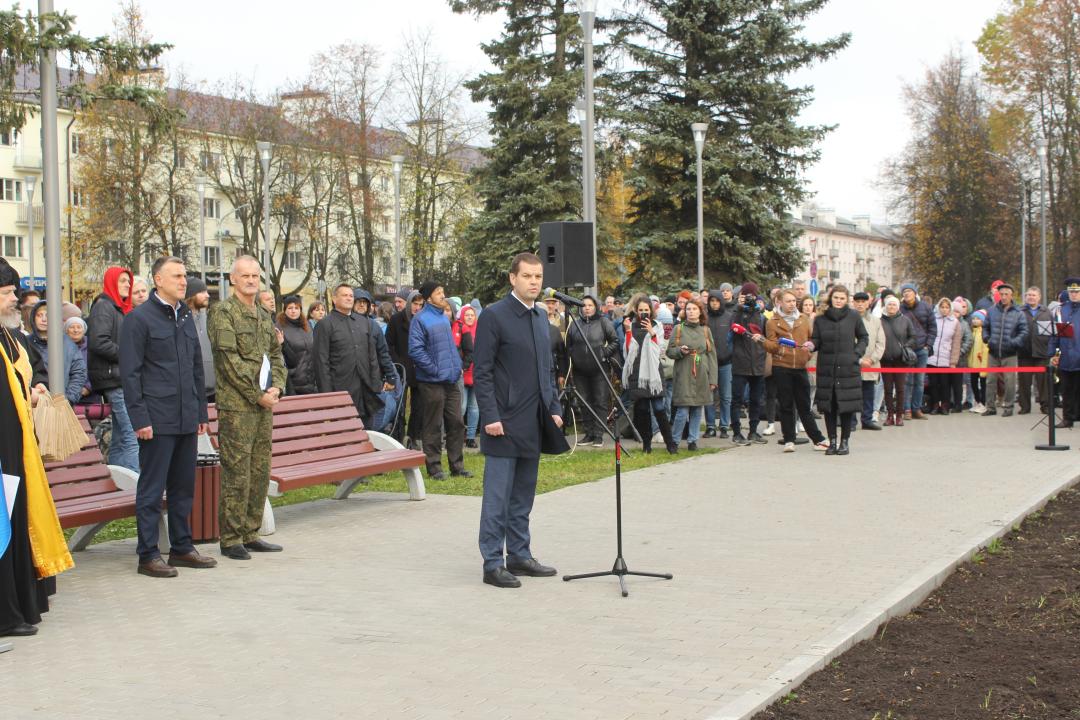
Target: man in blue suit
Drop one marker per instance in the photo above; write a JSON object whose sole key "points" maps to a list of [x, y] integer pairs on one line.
{"points": [[518, 405]]}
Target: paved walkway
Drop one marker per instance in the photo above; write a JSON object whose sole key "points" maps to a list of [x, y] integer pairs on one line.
{"points": [[376, 609]]}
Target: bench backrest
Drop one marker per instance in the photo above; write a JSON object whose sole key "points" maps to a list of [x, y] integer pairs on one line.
{"points": [[83, 474], [310, 428]]}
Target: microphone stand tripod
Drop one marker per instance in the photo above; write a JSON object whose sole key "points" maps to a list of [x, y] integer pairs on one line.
{"points": [[619, 569], [1051, 416]]}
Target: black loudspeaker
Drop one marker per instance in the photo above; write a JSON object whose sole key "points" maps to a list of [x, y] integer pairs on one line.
{"points": [[566, 250]]}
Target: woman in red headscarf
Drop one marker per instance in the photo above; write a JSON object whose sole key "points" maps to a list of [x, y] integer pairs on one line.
{"points": [[103, 361]]}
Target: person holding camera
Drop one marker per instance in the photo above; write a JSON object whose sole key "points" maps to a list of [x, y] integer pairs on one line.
{"points": [[643, 346], [593, 330], [747, 363], [899, 352], [840, 339]]}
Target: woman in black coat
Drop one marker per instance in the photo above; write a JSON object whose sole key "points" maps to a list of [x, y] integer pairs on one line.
{"points": [[898, 335], [840, 340], [296, 349]]}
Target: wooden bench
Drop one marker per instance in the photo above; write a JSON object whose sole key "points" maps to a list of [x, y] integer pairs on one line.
{"points": [[319, 439], [88, 493]]}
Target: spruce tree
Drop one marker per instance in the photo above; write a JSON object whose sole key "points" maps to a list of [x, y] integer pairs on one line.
{"points": [[532, 172], [724, 62]]}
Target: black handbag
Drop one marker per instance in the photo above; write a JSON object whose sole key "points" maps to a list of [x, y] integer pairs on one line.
{"points": [[908, 356]]}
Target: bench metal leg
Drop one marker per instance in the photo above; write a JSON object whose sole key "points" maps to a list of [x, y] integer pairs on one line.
{"points": [[416, 483], [83, 535], [347, 486]]}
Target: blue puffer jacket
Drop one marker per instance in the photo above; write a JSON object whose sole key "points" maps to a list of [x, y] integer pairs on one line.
{"points": [[432, 348], [923, 324], [74, 365], [1005, 331], [1069, 347]]}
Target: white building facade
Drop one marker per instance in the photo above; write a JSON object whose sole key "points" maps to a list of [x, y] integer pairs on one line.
{"points": [[855, 253]]}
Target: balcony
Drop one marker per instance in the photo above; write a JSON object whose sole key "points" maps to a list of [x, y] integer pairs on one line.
{"points": [[859, 257], [834, 253], [28, 159], [39, 216]]}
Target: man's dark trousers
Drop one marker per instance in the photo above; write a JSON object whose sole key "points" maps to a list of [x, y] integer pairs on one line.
{"points": [[755, 384], [509, 491], [441, 404], [868, 387], [1024, 381], [166, 465]]}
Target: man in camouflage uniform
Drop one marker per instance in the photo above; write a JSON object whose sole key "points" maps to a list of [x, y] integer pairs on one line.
{"points": [[242, 334]]}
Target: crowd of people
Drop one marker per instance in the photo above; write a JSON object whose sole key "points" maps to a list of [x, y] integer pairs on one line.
{"points": [[735, 363]]}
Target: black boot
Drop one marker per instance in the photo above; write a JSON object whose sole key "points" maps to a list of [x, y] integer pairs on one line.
{"points": [[843, 449], [832, 447], [665, 430]]}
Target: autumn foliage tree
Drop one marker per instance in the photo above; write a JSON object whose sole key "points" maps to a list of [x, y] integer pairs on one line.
{"points": [[949, 187]]}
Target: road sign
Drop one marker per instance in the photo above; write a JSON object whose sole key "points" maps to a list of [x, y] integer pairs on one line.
{"points": [[813, 268], [813, 287], [35, 283]]}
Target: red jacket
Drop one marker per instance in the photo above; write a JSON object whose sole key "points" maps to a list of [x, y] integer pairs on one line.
{"points": [[460, 328]]}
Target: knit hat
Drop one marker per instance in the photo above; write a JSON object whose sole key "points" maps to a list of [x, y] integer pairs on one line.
{"points": [[428, 288], [664, 315], [892, 300], [749, 288], [908, 286], [958, 306], [726, 287], [8, 274], [295, 300], [195, 285], [75, 321], [979, 315], [685, 295]]}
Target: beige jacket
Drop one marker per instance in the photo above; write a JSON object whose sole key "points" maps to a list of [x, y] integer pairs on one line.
{"points": [[875, 347]]}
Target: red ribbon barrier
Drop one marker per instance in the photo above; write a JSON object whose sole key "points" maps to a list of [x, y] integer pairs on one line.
{"points": [[947, 371]]}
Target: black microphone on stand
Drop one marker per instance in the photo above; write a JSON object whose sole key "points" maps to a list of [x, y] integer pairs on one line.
{"points": [[563, 297]]}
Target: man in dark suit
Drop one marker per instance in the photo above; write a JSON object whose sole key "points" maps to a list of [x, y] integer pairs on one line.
{"points": [[162, 372], [351, 355], [518, 404]]}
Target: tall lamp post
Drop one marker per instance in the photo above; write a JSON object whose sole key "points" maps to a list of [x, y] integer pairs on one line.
{"points": [[200, 186], [579, 109], [699, 144], [29, 182], [50, 199], [398, 161], [1040, 149], [587, 15], [264, 159]]}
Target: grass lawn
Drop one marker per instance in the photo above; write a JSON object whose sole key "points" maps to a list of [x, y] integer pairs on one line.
{"points": [[556, 472]]}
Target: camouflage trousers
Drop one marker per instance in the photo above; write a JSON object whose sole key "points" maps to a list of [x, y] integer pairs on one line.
{"points": [[244, 441]]}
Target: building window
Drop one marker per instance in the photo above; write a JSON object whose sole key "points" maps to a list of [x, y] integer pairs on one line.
{"points": [[179, 158], [9, 136], [386, 224], [111, 252], [13, 246], [76, 143], [209, 160], [387, 265], [211, 256], [342, 219], [238, 167], [384, 183], [11, 190], [78, 199], [211, 208], [294, 260]]}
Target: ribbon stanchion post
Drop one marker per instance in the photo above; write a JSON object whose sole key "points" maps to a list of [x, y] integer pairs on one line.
{"points": [[1051, 416]]}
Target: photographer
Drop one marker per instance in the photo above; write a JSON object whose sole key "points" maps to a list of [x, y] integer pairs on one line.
{"points": [[747, 363], [644, 344]]}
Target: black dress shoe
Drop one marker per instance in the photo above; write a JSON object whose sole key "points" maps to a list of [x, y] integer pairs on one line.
{"points": [[871, 426], [691, 446], [471, 444], [843, 449], [673, 448], [1007, 412], [1063, 424], [756, 438], [461, 473], [235, 552], [20, 630], [261, 545], [437, 475], [1024, 412], [710, 432], [501, 577], [530, 567]]}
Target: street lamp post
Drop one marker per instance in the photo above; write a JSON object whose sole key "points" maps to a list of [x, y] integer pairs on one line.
{"points": [[398, 161], [264, 159], [50, 199], [200, 186], [29, 183], [587, 15], [579, 109], [699, 144], [1040, 148]]}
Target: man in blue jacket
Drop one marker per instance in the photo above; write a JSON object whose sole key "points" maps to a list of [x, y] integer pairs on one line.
{"points": [[162, 373], [1064, 352], [1005, 333], [514, 389], [438, 368]]}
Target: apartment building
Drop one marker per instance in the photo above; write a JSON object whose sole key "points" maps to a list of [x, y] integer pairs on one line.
{"points": [[853, 252]]}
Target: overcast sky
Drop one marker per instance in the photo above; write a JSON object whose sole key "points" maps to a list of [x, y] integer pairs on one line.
{"points": [[859, 91]]}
